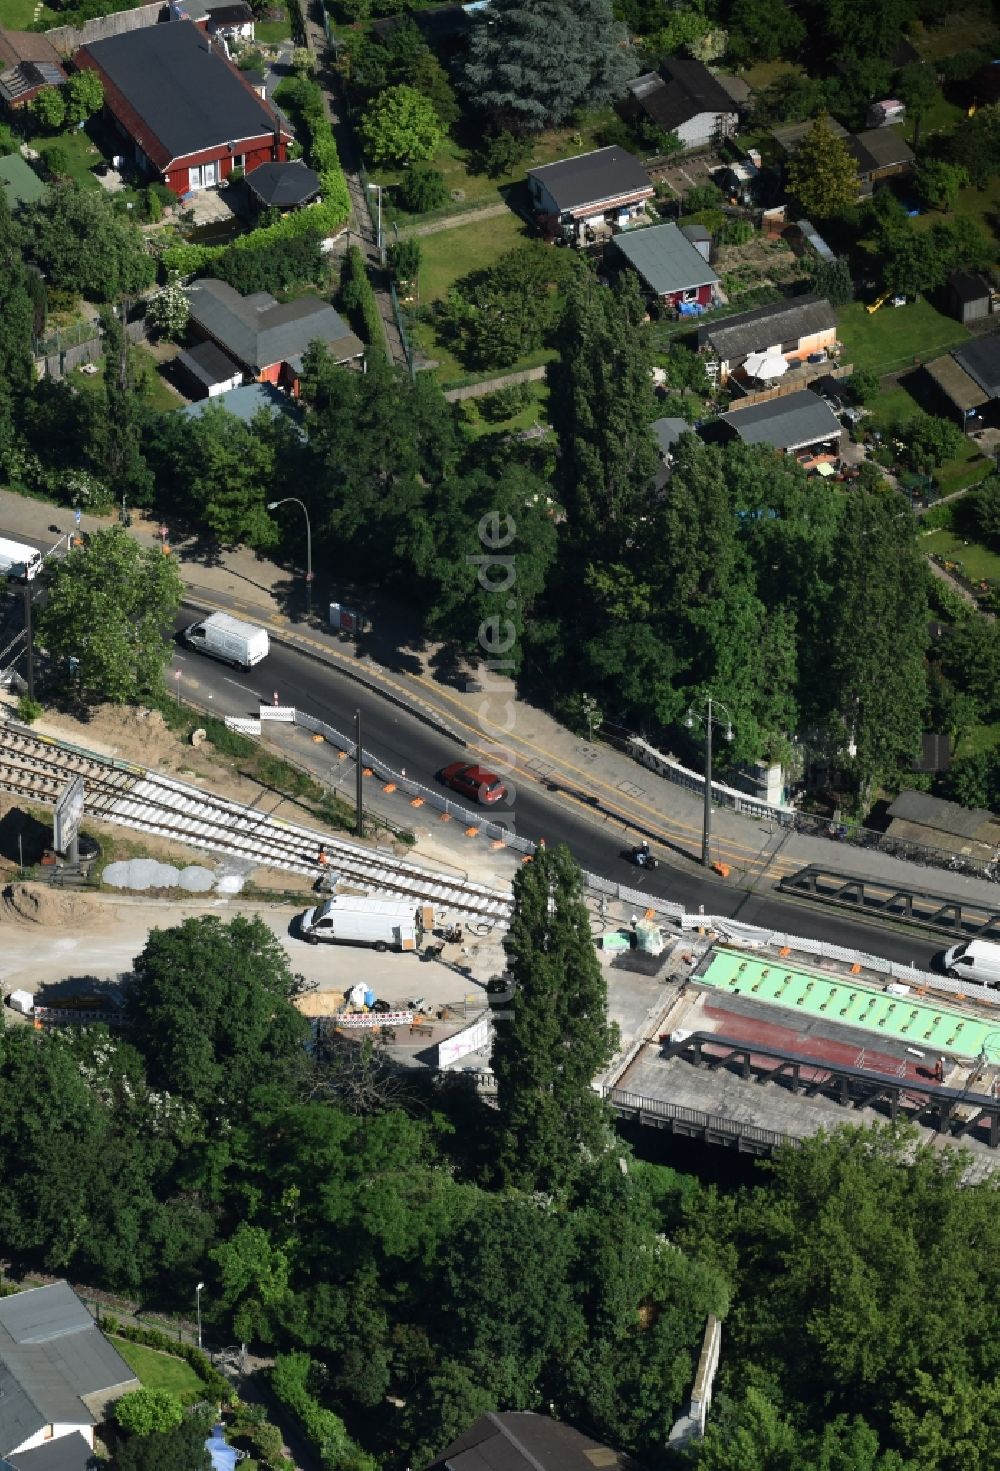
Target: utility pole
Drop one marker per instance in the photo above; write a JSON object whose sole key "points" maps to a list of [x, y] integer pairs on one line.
{"points": [[29, 635], [706, 831], [359, 775]]}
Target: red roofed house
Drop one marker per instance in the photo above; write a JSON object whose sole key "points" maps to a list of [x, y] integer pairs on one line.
{"points": [[188, 113]]}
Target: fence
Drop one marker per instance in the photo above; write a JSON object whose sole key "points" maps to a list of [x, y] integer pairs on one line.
{"points": [[490, 385], [66, 39], [397, 311], [61, 353], [695, 1121]]}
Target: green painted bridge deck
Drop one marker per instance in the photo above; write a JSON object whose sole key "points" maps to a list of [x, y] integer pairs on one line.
{"points": [[852, 1004]]}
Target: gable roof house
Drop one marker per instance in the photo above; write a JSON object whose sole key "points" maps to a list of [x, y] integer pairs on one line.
{"points": [[28, 64], [966, 381], [794, 422], [58, 1374], [880, 153], [188, 113], [589, 190], [523, 1441], [794, 329], [683, 97], [264, 338], [232, 20], [669, 266]]}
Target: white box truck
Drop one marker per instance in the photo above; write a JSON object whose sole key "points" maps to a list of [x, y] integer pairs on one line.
{"points": [[19, 561], [348, 919], [229, 639]]}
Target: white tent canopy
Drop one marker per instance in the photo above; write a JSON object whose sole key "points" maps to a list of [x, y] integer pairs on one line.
{"points": [[765, 365]]}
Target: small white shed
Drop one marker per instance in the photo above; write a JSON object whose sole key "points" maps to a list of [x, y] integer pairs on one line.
{"points": [[22, 1001]]}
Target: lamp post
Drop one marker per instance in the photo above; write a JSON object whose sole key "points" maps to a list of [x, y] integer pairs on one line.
{"points": [[273, 506], [709, 717], [377, 189], [199, 1289]]}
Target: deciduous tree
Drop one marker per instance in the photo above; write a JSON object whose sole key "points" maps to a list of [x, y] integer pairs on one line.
{"points": [[401, 126], [77, 240], [821, 172], [84, 96], [109, 608]]}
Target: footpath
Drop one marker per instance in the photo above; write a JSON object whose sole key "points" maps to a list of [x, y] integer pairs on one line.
{"points": [[602, 784]]}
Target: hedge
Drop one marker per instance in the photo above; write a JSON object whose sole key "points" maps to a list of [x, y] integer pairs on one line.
{"points": [[326, 1431], [358, 296], [213, 1381], [320, 220]]}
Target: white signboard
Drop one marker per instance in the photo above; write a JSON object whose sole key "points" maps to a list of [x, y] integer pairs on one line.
{"points": [[346, 619], [284, 713], [470, 1039], [68, 816], [375, 1019]]}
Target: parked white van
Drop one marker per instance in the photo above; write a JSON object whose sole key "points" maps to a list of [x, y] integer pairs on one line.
{"points": [[18, 560], [974, 960]]}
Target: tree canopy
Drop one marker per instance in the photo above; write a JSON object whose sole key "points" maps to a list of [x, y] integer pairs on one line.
{"points": [[401, 126], [75, 237], [821, 172]]}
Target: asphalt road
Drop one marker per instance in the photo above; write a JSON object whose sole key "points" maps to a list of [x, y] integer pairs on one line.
{"points": [[405, 742]]}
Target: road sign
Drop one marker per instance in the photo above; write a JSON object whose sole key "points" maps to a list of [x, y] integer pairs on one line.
{"points": [[68, 816]]}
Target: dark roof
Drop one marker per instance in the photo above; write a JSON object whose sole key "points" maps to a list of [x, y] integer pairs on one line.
{"points": [[438, 24], [679, 91], [591, 178], [788, 422], [942, 816], [523, 1441], [28, 78], [665, 259], [935, 752], [735, 337], [283, 184], [65, 1453], [968, 286], [17, 46], [259, 332], [958, 385], [668, 431], [879, 148], [981, 360], [209, 364], [52, 1355], [903, 54], [789, 137], [174, 90]]}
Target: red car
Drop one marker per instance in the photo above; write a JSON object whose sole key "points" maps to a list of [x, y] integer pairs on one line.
{"points": [[474, 782]]}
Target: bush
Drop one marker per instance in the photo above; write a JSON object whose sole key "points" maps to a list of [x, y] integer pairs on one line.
{"points": [[148, 1411], [28, 711], [337, 1451], [501, 154], [56, 160], [359, 299], [862, 385], [421, 189], [504, 403]]}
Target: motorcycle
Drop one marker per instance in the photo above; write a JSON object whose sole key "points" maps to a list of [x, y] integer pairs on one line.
{"points": [[642, 857]]}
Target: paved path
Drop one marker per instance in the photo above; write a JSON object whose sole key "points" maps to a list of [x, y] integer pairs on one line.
{"points": [[957, 587], [455, 222]]}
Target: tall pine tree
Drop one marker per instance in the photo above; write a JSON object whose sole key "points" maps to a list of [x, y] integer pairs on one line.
{"points": [[16, 320], [128, 475], [552, 1036]]}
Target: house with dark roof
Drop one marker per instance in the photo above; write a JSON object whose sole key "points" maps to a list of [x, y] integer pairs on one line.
{"points": [[67, 1453], [231, 19], [58, 1375], [683, 97], [28, 64], [880, 153], [794, 422], [966, 382], [795, 329], [670, 266], [523, 1441], [245, 403], [188, 114], [265, 338], [589, 191], [208, 370]]}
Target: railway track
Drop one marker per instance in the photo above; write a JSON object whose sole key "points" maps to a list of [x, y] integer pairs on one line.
{"points": [[37, 768]]}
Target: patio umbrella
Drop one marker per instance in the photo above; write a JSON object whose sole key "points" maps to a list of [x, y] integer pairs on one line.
{"points": [[765, 365]]}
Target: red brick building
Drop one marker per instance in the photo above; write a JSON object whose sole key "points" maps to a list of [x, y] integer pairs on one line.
{"points": [[186, 113]]}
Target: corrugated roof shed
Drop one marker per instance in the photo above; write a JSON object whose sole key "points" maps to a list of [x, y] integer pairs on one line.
{"points": [[665, 259], [590, 178], [789, 422], [946, 817], [964, 392], [733, 338], [879, 148]]}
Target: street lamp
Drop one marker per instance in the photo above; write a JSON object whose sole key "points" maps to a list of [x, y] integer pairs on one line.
{"points": [[273, 506], [199, 1289], [377, 189], [708, 718]]}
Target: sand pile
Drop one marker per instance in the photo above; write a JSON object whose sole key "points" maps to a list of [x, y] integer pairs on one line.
{"points": [[36, 904]]}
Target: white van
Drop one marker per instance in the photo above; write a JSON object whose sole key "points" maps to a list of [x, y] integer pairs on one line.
{"points": [[974, 960], [229, 639], [384, 924], [19, 561]]}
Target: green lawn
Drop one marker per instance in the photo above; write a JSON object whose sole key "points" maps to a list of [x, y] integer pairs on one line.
{"points": [[977, 562], [81, 152], [161, 1371], [270, 32], [536, 412], [893, 409], [159, 394], [449, 254], [896, 337], [979, 738]]}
